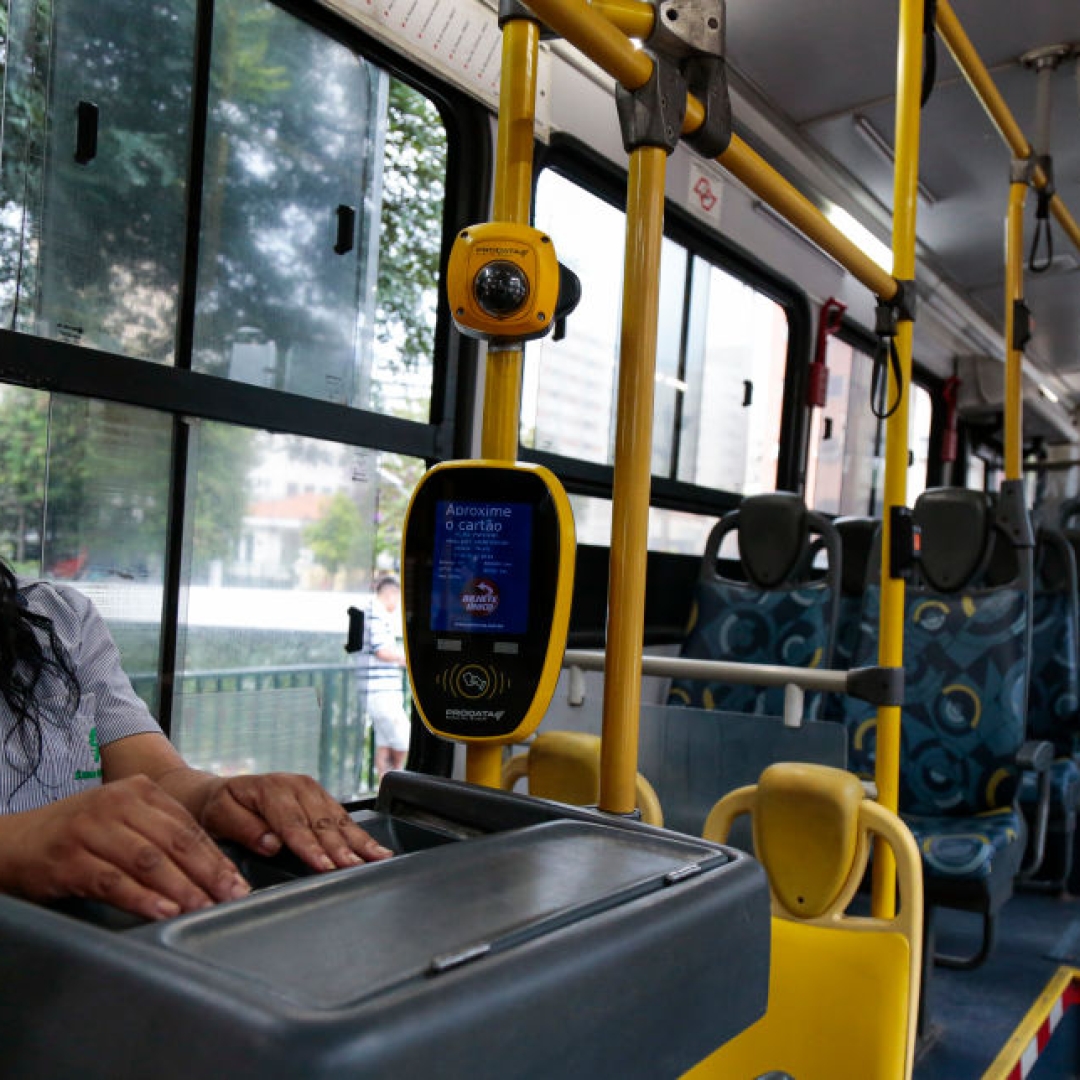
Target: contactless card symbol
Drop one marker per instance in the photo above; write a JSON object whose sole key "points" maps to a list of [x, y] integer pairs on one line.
{"points": [[473, 681], [480, 597]]}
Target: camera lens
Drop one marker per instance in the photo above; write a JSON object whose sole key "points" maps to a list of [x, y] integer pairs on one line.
{"points": [[501, 288]]}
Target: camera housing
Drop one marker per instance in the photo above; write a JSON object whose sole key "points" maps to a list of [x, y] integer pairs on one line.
{"points": [[503, 281]]}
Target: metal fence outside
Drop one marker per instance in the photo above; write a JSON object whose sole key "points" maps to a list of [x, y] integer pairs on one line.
{"points": [[299, 718]]}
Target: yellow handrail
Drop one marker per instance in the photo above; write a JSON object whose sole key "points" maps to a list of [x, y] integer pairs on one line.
{"points": [[513, 198], [635, 18], [1014, 357], [630, 496], [891, 620], [606, 45], [973, 69]]}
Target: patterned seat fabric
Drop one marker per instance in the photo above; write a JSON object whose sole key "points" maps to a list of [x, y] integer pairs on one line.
{"points": [[738, 622], [781, 611], [963, 721], [967, 640], [967, 847], [1053, 700]]}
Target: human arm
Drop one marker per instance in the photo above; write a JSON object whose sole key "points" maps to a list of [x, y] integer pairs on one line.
{"points": [[385, 643], [391, 653], [261, 812], [134, 842]]}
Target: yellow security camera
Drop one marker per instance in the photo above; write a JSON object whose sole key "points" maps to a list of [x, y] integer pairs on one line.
{"points": [[503, 281]]}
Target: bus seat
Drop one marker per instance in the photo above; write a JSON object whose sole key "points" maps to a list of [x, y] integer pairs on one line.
{"points": [[693, 757], [565, 766], [1054, 705], [966, 662], [843, 988], [857, 536], [776, 607]]}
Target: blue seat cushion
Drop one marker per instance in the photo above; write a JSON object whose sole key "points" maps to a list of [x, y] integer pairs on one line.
{"points": [[1064, 787], [972, 849]]}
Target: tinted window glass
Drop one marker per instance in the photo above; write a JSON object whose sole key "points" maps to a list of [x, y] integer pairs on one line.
{"points": [[94, 182], [86, 502], [286, 534], [720, 365], [321, 218]]}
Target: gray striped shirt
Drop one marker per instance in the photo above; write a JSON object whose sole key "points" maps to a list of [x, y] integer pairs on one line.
{"points": [[109, 708]]}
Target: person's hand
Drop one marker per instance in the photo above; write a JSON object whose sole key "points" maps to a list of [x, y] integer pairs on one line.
{"points": [[128, 843], [267, 811]]}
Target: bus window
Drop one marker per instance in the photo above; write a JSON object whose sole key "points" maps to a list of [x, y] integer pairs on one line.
{"points": [[669, 530], [921, 417], [567, 384], [270, 212], [319, 207], [736, 360], [290, 252], [86, 503], [977, 473], [93, 189], [846, 467], [721, 358], [285, 535]]}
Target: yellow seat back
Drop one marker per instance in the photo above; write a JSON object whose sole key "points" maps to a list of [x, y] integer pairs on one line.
{"points": [[843, 989], [565, 766]]}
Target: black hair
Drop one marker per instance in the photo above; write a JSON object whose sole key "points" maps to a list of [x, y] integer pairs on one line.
{"points": [[30, 652], [386, 579]]}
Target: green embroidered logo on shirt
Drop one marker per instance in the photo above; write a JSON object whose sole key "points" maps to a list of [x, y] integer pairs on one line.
{"points": [[95, 750]]}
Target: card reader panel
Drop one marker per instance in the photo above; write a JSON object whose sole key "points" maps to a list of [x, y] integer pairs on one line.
{"points": [[487, 582]]}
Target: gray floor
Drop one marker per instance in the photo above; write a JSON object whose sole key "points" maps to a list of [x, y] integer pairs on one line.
{"points": [[973, 1013]]}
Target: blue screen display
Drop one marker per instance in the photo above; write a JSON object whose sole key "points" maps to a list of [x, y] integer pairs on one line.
{"points": [[480, 581]]}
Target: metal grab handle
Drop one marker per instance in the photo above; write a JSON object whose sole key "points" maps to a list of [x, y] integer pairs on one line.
{"points": [[346, 228], [86, 132]]}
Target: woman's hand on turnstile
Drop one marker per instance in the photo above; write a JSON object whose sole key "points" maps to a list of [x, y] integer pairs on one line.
{"points": [[264, 811], [127, 843], [274, 810]]}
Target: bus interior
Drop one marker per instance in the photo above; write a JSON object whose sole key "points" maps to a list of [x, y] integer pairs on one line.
{"points": [[810, 355]]}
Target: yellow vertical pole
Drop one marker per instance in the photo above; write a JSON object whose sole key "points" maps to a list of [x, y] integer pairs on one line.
{"points": [[1014, 357], [891, 627], [513, 197], [633, 474]]}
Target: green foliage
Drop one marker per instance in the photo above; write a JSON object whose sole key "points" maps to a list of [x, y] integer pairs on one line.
{"points": [[411, 224], [223, 457], [337, 538], [299, 124], [24, 425]]}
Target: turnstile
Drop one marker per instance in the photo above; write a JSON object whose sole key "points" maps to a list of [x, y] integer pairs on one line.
{"points": [[511, 937]]}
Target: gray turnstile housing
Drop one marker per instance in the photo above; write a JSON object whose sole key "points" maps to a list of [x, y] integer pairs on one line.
{"points": [[512, 938]]}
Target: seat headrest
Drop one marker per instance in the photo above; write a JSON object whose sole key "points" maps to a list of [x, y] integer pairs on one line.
{"points": [[806, 833], [1054, 562], [775, 528], [856, 542], [956, 528]]}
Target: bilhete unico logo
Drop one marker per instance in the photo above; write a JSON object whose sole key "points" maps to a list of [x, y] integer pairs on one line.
{"points": [[480, 597]]}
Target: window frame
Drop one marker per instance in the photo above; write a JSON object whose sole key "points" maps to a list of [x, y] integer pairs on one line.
{"points": [[581, 165], [58, 367], [863, 341]]}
